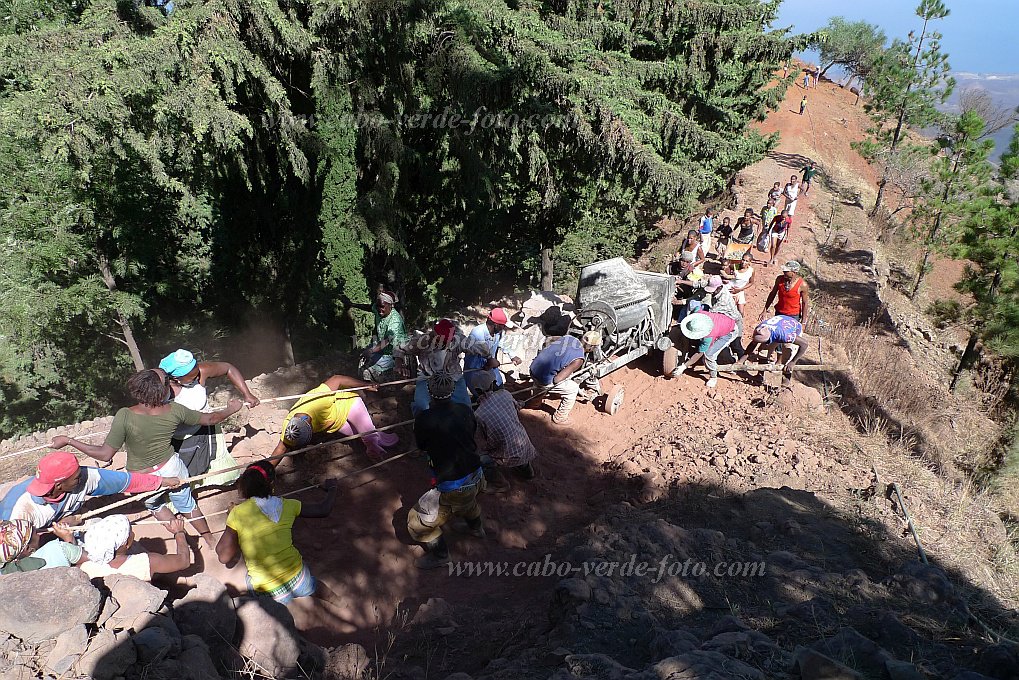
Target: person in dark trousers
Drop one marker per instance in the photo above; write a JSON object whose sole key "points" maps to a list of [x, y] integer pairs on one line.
{"points": [[803, 104], [445, 432], [809, 173]]}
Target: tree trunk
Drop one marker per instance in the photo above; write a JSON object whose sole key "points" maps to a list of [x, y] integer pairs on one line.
{"points": [[122, 321], [965, 361], [288, 346], [922, 274], [546, 269], [825, 69]]}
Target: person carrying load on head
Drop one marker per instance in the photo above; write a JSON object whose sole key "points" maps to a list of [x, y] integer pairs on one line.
{"points": [[490, 334], [554, 367], [202, 448], [146, 430], [784, 334], [388, 332], [438, 351], [261, 530], [446, 433], [502, 439], [61, 486], [327, 409]]}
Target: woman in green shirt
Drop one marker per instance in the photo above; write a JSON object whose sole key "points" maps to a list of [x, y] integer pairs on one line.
{"points": [[146, 430]]}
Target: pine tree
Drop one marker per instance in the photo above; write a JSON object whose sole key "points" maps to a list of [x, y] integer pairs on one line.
{"points": [[906, 83]]}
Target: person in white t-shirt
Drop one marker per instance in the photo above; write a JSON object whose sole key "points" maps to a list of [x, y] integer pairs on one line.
{"points": [[791, 193]]}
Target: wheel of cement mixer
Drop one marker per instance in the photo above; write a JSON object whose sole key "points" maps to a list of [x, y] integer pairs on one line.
{"points": [[670, 359], [613, 400]]}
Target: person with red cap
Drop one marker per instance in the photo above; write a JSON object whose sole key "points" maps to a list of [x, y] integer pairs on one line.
{"points": [[438, 351], [490, 335], [61, 486]]}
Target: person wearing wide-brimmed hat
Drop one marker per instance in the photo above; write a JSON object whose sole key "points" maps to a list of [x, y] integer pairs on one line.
{"points": [[715, 332]]}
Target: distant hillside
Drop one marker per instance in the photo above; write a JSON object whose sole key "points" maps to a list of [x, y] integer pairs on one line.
{"points": [[1003, 87]]}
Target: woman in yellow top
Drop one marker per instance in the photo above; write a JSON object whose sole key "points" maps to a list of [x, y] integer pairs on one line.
{"points": [[261, 530], [321, 411]]}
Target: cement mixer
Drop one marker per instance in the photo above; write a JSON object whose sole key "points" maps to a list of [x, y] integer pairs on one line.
{"points": [[633, 311]]}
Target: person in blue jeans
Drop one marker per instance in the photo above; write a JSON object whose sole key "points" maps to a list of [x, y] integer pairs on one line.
{"points": [[437, 351]]}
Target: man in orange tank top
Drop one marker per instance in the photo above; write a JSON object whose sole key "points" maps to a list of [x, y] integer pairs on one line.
{"points": [[792, 292]]}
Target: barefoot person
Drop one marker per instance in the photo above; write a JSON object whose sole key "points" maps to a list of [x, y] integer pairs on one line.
{"points": [[445, 432], [792, 293], [146, 430], [327, 409], [261, 530]]}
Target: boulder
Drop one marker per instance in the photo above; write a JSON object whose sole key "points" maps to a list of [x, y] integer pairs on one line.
{"points": [[197, 659], [673, 643], [435, 612], [267, 635], [813, 665], [108, 656], [348, 662], [40, 605], [208, 612], [856, 650], [902, 670], [596, 666], [155, 643], [1000, 661], [133, 597], [700, 664], [70, 645]]}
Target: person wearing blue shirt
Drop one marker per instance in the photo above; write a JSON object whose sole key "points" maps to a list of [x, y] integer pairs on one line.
{"points": [[707, 223], [490, 333], [554, 366]]}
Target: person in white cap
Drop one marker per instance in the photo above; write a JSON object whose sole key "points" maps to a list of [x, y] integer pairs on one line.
{"points": [[387, 333], [490, 334], [555, 366], [715, 332], [792, 293]]}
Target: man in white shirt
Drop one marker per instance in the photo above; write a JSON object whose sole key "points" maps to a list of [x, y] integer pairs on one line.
{"points": [[791, 193]]}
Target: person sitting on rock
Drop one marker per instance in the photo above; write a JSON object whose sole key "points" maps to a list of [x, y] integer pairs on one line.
{"points": [[388, 332], [112, 549], [438, 351], [554, 367], [446, 433], [327, 409], [501, 437], [261, 530], [61, 486], [146, 430], [20, 551], [784, 334]]}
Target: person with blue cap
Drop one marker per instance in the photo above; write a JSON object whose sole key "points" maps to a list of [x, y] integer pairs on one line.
{"points": [[201, 448]]}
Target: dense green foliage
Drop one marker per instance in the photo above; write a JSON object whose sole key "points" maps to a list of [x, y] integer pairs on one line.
{"points": [[853, 45], [907, 82], [173, 177]]}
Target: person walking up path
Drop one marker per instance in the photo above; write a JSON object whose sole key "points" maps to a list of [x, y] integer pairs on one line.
{"points": [[792, 292]]}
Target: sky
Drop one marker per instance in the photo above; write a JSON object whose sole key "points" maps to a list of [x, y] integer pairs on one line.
{"points": [[979, 35]]}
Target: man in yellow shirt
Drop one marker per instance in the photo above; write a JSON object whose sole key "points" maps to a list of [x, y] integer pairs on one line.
{"points": [[325, 410]]}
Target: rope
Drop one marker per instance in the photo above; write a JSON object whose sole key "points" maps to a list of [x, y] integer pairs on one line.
{"points": [[271, 400], [295, 452]]}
